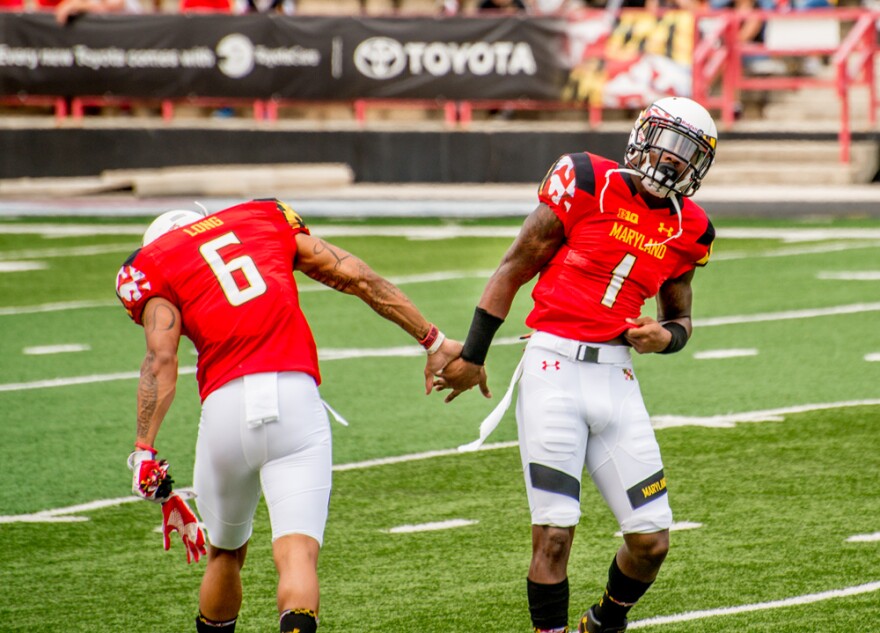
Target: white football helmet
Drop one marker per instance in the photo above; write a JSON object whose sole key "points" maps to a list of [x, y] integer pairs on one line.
{"points": [[672, 146], [169, 221]]}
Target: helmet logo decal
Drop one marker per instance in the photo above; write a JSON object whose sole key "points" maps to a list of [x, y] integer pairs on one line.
{"points": [[560, 185], [131, 284]]}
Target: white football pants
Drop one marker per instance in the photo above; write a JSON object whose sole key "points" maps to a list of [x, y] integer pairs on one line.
{"points": [[269, 433], [575, 413]]}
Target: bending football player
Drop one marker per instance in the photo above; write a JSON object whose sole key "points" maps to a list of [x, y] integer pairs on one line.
{"points": [[225, 281]]}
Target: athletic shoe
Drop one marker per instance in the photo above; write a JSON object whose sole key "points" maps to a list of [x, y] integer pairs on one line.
{"points": [[589, 624]]}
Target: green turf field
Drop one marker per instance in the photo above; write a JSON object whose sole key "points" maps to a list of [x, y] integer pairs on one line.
{"points": [[769, 423]]}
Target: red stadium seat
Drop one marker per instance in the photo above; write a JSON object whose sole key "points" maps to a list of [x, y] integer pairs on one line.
{"points": [[11, 5], [47, 5]]}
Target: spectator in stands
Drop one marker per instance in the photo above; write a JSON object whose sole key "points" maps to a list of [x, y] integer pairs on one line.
{"points": [[68, 9], [563, 6], [501, 6], [752, 30], [285, 7], [395, 6]]}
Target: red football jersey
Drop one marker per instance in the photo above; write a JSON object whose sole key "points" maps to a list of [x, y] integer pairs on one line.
{"points": [[231, 277], [613, 257]]}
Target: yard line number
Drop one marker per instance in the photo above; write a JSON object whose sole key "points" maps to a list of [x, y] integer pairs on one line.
{"points": [[223, 270]]}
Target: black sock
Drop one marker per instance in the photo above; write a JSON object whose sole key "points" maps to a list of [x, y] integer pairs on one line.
{"points": [[302, 620], [621, 593], [548, 604], [206, 625]]}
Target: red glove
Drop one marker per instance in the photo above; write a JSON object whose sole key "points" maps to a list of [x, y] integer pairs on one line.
{"points": [[150, 478], [176, 515]]}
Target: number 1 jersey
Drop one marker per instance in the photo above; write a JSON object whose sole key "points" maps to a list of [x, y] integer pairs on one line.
{"points": [[231, 277], [618, 249]]}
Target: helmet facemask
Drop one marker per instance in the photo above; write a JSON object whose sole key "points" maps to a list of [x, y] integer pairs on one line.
{"points": [[671, 157]]}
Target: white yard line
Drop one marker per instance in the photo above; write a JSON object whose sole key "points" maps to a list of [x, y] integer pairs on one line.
{"points": [[760, 606], [660, 422], [714, 354], [56, 307], [403, 280], [849, 275], [415, 457], [59, 514], [799, 234], [817, 249], [43, 350], [730, 420], [864, 538], [53, 231], [21, 267], [854, 308], [73, 251], [330, 354], [432, 526]]}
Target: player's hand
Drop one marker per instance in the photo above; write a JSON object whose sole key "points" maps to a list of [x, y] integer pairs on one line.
{"points": [[177, 517], [646, 335], [461, 376], [150, 478], [449, 350]]}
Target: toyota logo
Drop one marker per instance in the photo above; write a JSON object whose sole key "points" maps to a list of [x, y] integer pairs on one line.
{"points": [[380, 58]]}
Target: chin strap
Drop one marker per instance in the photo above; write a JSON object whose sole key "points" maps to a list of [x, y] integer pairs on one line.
{"points": [[622, 170], [633, 172]]}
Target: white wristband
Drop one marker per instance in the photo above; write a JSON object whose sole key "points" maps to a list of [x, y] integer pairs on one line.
{"points": [[435, 346]]}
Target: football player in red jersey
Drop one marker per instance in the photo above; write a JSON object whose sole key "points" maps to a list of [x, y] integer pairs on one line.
{"points": [[604, 238], [226, 281]]}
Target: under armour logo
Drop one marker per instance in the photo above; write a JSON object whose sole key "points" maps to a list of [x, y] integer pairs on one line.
{"points": [[662, 229], [555, 365]]}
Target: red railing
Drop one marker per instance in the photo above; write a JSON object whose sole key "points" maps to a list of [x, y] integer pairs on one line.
{"points": [[854, 64], [718, 70]]}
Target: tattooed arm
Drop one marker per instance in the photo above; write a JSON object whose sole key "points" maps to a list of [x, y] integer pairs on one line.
{"points": [[158, 380], [541, 236], [342, 271]]}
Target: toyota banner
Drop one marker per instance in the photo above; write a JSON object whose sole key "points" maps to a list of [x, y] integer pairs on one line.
{"points": [[298, 57]]}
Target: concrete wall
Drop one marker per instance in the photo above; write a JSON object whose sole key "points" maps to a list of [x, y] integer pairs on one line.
{"points": [[374, 156]]}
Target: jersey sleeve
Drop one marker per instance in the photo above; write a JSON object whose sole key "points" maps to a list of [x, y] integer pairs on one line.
{"points": [[137, 283], [700, 250], [294, 219], [705, 243], [569, 181]]}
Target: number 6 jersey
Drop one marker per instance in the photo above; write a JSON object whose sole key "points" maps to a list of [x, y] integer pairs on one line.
{"points": [[618, 250], [229, 275]]}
